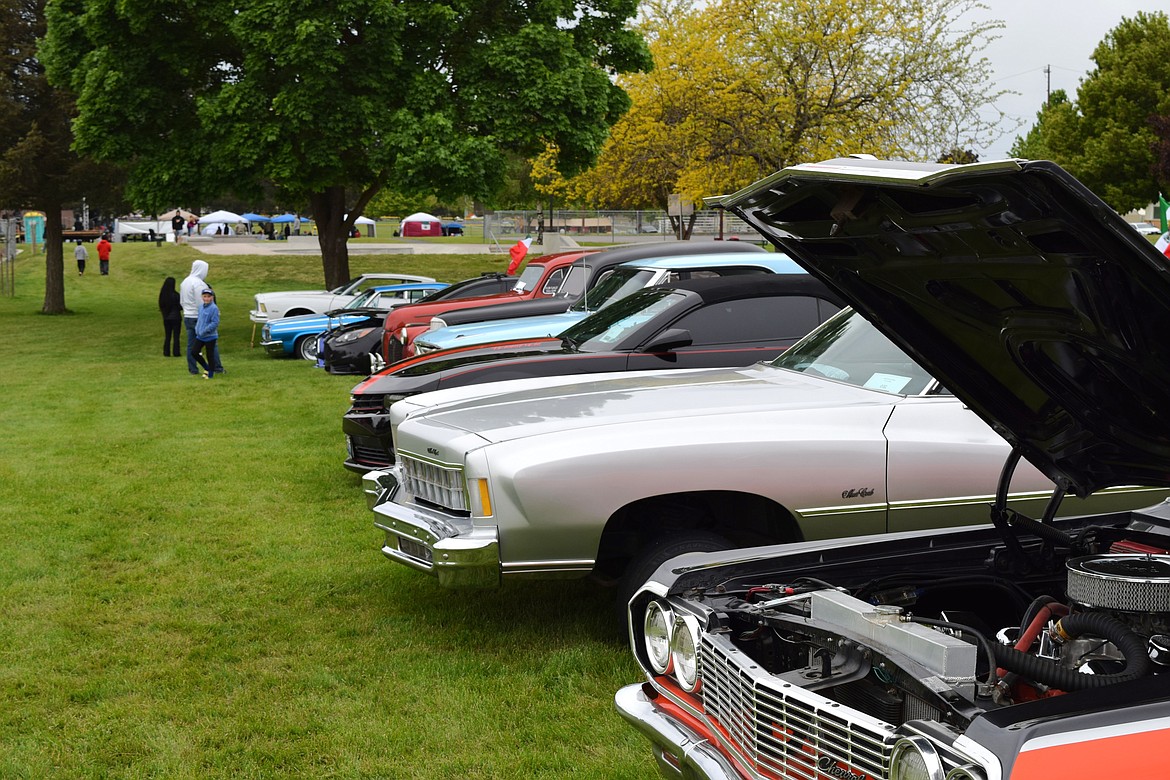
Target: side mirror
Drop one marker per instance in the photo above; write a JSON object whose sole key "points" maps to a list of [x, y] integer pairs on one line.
{"points": [[670, 339]]}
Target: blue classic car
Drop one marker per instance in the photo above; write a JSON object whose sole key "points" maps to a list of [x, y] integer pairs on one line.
{"points": [[298, 335], [624, 280]]}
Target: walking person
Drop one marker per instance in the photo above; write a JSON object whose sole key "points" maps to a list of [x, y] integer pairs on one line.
{"points": [[80, 253], [172, 315], [103, 250], [207, 334]]}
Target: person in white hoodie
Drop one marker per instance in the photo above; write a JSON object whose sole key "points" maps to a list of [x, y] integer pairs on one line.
{"points": [[191, 299]]}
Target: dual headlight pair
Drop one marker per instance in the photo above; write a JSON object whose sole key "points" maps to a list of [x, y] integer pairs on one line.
{"points": [[916, 758], [672, 643]]}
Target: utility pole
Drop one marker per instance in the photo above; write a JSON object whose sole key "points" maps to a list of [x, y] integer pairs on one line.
{"points": [[1048, 88]]}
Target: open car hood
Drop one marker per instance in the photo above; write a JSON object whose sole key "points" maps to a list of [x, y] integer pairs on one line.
{"points": [[1031, 299]]}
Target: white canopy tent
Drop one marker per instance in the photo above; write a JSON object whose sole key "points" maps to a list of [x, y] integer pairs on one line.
{"points": [[365, 221], [224, 220]]}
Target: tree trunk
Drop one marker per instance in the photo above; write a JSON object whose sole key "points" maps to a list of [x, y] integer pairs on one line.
{"points": [[333, 234], [54, 264]]}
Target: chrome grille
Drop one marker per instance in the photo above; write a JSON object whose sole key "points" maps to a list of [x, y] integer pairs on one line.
{"points": [[781, 730], [434, 483]]}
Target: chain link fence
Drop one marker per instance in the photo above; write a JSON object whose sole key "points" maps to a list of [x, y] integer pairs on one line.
{"points": [[609, 225]]}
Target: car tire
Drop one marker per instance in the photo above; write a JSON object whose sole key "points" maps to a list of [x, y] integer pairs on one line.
{"points": [[306, 348], [653, 555]]}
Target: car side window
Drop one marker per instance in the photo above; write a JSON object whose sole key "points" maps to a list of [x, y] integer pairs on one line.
{"points": [[553, 283], [756, 319]]}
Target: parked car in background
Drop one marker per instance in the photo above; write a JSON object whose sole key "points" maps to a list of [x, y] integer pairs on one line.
{"points": [[1026, 647], [621, 281], [274, 305], [298, 335], [586, 273], [355, 348], [695, 323], [1146, 229], [541, 278]]}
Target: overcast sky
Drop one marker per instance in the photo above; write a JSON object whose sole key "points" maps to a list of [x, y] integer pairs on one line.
{"points": [[1060, 34]]}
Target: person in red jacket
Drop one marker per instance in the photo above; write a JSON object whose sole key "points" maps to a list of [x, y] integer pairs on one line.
{"points": [[103, 251]]}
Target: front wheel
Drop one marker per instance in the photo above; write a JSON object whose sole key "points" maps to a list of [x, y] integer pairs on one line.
{"points": [[306, 348], [657, 552]]}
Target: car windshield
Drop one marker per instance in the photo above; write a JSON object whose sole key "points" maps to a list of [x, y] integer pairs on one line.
{"points": [[574, 282], [619, 284], [529, 277], [600, 331], [849, 349], [364, 301]]}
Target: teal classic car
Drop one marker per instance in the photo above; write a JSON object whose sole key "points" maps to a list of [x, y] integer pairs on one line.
{"points": [[298, 335]]}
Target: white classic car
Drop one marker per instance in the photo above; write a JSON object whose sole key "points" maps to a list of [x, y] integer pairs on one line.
{"points": [[843, 434], [290, 303]]}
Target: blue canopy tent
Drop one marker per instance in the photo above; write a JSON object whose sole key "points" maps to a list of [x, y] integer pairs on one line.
{"points": [[250, 217]]}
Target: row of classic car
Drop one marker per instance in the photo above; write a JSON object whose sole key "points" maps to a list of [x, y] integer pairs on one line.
{"points": [[702, 322], [907, 547], [620, 281], [299, 334]]}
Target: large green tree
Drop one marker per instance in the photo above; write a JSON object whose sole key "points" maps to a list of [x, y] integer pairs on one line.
{"points": [[1109, 137], [742, 88], [330, 101], [38, 169]]}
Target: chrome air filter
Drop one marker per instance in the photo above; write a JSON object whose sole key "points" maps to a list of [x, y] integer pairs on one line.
{"points": [[1128, 583]]}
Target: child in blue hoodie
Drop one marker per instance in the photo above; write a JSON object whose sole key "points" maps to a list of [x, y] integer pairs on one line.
{"points": [[207, 334]]}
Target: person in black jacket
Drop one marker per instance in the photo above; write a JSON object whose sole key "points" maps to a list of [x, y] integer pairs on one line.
{"points": [[172, 314]]}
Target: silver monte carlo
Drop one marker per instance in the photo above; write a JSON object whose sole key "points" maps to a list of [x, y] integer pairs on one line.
{"points": [[611, 474]]}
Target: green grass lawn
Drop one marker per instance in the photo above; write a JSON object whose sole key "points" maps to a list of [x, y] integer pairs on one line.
{"points": [[191, 584]]}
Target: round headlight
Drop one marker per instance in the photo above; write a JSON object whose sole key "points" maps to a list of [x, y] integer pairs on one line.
{"points": [[965, 772], [914, 758], [684, 651], [656, 635], [403, 336], [437, 323]]}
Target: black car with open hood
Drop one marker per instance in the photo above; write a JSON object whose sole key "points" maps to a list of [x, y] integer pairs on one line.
{"points": [[1027, 648]]}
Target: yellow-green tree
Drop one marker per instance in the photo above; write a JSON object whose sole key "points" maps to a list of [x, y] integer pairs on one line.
{"points": [[741, 89]]}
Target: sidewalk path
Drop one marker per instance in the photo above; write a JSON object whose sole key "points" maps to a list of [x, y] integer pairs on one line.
{"points": [[307, 245]]}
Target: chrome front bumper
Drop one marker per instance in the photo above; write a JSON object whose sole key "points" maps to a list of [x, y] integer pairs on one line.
{"points": [[681, 753], [459, 556], [275, 348]]}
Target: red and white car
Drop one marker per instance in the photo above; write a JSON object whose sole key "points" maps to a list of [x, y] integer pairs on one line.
{"points": [[1028, 648], [541, 278]]}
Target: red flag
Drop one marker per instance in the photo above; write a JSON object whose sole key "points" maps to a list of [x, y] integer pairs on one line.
{"points": [[517, 253], [1163, 244]]}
